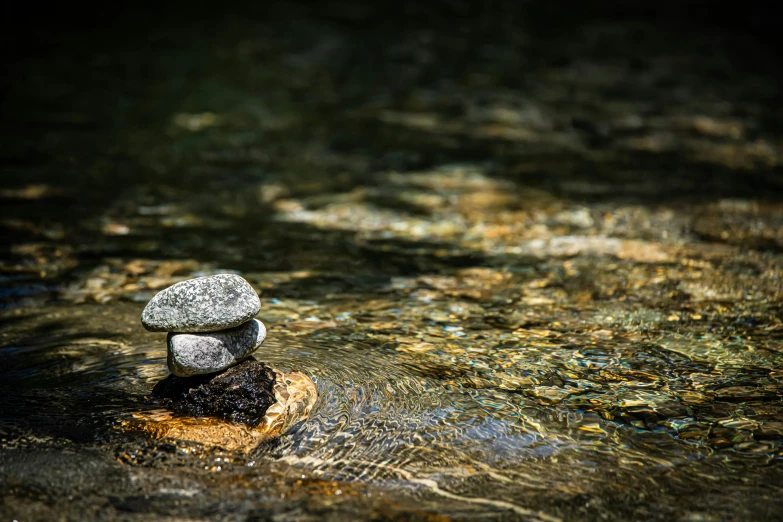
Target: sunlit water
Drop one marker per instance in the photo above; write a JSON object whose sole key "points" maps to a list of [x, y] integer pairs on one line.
{"points": [[542, 296]]}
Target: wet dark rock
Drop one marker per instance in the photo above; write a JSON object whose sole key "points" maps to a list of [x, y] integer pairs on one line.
{"points": [[243, 393], [209, 352], [203, 304], [769, 430]]}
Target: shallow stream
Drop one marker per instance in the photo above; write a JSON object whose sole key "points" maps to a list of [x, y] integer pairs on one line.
{"points": [[530, 257]]}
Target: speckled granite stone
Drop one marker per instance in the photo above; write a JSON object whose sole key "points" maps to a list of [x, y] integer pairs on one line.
{"points": [[204, 304], [209, 352]]}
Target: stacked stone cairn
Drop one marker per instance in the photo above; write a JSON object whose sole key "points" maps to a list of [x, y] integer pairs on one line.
{"points": [[211, 323], [212, 334]]}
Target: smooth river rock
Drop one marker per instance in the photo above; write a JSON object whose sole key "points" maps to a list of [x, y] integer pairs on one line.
{"points": [[209, 352], [204, 304]]}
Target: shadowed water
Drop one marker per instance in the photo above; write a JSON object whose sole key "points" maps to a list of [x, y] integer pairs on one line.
{"points": [[529, 256]]}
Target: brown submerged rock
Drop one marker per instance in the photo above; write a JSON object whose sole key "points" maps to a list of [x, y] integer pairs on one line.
{"points": [[234, 410]]}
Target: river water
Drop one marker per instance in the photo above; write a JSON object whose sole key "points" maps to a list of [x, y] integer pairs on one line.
{"points": [[530, 257]]}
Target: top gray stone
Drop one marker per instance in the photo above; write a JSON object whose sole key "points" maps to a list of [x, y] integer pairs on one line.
{"points": [[203, 304]]}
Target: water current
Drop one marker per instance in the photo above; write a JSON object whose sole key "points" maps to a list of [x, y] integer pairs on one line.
{"points": [[530, 257]]}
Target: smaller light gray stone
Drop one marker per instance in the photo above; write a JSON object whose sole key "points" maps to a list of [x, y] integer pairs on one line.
{"points": [[209, 352], [203, 304]]}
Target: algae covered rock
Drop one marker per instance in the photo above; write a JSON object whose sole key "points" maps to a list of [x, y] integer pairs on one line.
{"points": [[242, 393], [234, 410]]}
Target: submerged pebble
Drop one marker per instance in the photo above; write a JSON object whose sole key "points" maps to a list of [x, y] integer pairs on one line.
{"points": [[209, 352], [204, 304]]}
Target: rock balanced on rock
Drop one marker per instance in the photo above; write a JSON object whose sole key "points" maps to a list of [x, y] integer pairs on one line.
{"points": [[210, 321], [218, 395]]}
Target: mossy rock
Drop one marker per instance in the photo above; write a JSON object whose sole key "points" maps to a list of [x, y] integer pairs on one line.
{"points": [[234, 410]]}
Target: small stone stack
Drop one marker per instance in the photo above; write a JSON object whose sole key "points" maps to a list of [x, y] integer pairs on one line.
{"points": [[210, 321]]}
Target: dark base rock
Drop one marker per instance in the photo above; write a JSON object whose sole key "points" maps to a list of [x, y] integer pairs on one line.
{"points": [[215, 411], [242, 393]]}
